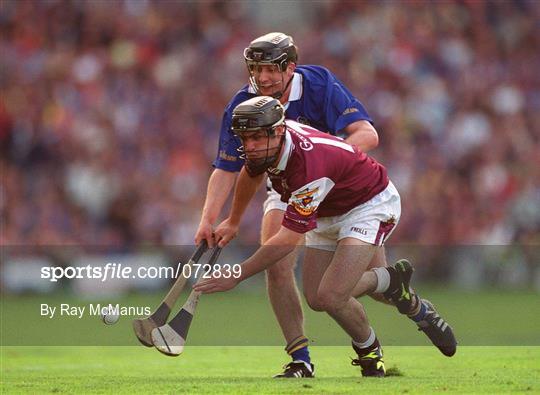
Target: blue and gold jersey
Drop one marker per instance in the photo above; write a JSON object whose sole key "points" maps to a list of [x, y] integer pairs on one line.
{"points": [[317, 99]]}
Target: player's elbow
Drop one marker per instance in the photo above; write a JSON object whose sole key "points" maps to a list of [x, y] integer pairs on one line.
{"points": [[363, 135], [372, 140], [371, 137]]}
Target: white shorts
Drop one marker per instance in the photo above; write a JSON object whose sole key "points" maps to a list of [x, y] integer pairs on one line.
{"points": [[273, 200], [372, 222]]}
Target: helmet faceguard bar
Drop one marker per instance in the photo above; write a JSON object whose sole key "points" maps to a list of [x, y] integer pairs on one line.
{"points": [[255, 56], [258, 165]]}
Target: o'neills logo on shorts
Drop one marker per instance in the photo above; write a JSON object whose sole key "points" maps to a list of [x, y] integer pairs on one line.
{"points": [[359, 230]]}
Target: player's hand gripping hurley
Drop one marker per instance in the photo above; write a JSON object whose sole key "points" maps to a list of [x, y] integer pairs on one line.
{"points": [[143, 326], [171, 338]]}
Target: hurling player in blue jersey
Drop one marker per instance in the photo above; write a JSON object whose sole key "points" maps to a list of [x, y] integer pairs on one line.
{"points": [[310, 95]]}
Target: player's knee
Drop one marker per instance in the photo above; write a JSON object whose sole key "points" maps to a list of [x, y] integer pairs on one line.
{"points": [[313, 302], [331, 301]]}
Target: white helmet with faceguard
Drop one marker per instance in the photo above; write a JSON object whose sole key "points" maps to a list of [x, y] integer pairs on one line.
{"points": [[260, 115]]}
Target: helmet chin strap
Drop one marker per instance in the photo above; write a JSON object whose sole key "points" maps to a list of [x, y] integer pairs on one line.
{"points": [[279, 95]]}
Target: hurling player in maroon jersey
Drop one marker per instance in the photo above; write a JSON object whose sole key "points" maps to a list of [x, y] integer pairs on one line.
{"points": [[312, 95], [344, 203]]}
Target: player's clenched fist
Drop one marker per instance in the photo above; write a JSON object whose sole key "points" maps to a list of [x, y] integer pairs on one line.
{"points": [[225, 232], [217, 283], [205, 232]]}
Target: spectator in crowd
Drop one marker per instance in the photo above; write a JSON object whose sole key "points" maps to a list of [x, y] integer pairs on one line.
{"points": [[99, 98]]}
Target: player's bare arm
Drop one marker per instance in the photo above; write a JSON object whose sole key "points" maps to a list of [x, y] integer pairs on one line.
{"points": [[363, 135], [246, 187], [275, 249], [219, 188]]}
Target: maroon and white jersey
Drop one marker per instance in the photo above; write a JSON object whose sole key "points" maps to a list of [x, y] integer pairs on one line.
{"points": [[320, 175]]}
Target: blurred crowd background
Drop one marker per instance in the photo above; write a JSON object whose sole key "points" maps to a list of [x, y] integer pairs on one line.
{"points": [[110, 112]]}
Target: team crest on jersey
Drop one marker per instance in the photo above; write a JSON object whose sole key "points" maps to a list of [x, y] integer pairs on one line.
{"points": [[303, 201]]}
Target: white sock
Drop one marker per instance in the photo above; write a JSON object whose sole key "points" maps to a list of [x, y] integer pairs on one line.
{"points": [[369, 342], [383, 279]]}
